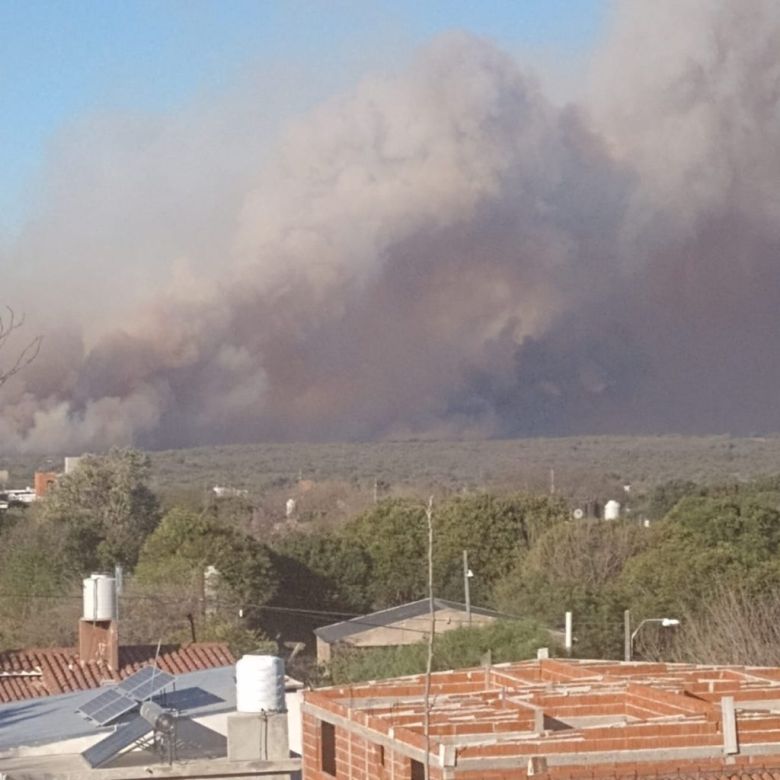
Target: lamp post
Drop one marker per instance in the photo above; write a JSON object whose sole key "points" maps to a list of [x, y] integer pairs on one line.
{"points": [[467, 575], [630, 636]]}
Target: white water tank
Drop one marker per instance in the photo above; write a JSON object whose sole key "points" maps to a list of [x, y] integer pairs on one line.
{"points": [[71, 464], [612, 510], [260, 684], [99, 594]]}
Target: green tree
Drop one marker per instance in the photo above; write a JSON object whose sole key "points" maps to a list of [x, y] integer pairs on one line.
{"points": [[186, 543], [239, 638], [324, 571], [576, 566], [235, 511], [107, 509], [703, 544], [496, 532], [569, 568], [394, 537], [664, 497], [176, 600], [321, 572], [39, 594]]}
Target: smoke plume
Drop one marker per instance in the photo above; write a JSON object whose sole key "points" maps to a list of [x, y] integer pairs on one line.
{"points": [[444, 252]]}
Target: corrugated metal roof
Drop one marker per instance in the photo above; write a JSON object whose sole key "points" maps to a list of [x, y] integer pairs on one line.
{"points": [[49, 719], [336, 632], [35, 672]]}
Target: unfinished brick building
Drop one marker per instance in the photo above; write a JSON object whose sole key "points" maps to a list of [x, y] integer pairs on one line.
{"points": [[556, 719]]}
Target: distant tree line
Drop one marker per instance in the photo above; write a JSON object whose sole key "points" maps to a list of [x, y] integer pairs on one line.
{"points": [[710, 558]]}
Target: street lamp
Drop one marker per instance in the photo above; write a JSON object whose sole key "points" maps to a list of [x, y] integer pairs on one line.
{"points": [[631, 636], [467, 575]]}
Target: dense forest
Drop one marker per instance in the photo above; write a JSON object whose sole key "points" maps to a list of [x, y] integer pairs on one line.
{"points": [[707, 555], [584, 466]]}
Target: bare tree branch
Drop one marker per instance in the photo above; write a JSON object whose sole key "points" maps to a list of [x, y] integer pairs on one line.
{"points": [[9, 323], [733, 626]]}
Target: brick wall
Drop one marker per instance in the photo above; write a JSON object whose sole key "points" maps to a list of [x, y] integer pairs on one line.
{"points": [[357, 758], [567, 720]]}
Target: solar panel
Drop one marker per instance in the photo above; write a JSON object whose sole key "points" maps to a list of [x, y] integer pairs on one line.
{"points": [[146, 682], [107, 706], [106, 749], [142, 675], [148, 689], [90, 707]]}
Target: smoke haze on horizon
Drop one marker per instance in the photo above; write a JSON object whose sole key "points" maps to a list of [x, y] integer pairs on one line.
{"points": [[445, 251]]}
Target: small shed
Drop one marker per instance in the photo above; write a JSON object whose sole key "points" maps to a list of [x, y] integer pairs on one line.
{"points": [[406, 624]]}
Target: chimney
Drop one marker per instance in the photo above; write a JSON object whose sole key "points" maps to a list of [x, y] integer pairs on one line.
{"points": [[44, 481], [98, 628]]}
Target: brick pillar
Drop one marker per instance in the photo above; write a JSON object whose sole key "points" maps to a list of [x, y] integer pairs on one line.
{"points": [[99, 642]]}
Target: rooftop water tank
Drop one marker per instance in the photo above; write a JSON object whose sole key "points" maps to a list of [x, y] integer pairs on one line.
{"points": [[260, 684], [71, 464], [612, 510], [99, 594]]}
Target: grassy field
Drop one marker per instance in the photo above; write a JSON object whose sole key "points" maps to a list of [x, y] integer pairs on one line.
{"points": [[584, 467]]}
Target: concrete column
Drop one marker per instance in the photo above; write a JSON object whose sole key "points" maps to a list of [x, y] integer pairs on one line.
{"points": [[539, 720], [627, 635], [258, 737], [730, 736]]}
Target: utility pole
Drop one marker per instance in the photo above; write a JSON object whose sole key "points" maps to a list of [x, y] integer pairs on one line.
{"points": [[568, 639], [627, 635], [466, 590], [552, 482], [432, 632], [118, 587]]}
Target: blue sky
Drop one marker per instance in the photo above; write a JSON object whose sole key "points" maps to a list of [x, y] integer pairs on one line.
{"points": [[60, 59]]}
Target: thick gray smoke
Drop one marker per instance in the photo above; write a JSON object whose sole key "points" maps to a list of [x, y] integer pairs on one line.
{"points": [[445, 253]]}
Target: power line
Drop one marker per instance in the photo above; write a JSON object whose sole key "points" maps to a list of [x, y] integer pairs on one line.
{"points": [[354, 618], [277, 608]]}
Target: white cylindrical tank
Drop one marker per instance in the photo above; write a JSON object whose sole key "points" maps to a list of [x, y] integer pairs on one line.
{"points": [[612, 510], [99, 594], [260, 684], [71, 464]]}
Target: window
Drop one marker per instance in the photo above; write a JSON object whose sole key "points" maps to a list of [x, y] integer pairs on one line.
{"points": [[328, 748], [380, 754], [418, 771]]}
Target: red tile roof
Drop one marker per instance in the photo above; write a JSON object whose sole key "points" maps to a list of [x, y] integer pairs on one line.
{"points": [[28, 674]]}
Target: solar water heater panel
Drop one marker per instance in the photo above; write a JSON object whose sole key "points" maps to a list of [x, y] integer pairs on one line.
{"points": [[101, 753]]}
